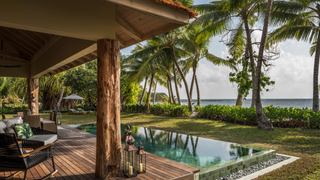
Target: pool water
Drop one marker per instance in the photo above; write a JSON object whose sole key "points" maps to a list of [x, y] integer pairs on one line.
{"points": [[205, 154]]}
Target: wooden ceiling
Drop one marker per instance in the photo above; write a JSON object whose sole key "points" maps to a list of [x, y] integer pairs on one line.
{"points": [[132, 26]]}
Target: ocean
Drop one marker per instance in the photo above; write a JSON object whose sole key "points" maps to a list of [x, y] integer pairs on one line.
{"points": [[295, 103]]}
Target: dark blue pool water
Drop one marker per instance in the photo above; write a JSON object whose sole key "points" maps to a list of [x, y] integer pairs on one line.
{"points": [[195, 151]]}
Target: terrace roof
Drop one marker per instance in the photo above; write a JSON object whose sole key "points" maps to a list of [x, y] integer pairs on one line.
{"points": [[48, 37]]}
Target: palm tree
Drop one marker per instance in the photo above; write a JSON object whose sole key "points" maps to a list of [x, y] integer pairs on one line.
{"points": [[219, 16], [299, 20], [263, 121], [198, 47], [160, 49]]}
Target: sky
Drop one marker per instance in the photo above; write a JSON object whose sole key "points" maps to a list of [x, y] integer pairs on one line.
{"points": [[292, 72]]}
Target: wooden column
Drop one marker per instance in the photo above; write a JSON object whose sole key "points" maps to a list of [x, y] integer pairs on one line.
{"points": [[108, 156], [33, 95]]}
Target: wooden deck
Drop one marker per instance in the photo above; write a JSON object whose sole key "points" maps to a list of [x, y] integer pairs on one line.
{"points": [[75, 160]]}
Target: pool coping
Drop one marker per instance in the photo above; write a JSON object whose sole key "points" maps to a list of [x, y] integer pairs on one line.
{"points": [[271, 168]]}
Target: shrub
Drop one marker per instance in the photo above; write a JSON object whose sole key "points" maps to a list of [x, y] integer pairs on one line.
{"points": [[158, 109], [280, 117]]}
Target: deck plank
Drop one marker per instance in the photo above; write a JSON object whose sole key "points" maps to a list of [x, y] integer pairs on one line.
{"points": [[75, 156]]}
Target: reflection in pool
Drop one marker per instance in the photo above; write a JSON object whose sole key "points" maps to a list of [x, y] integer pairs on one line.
{"points": [[195, 151]]}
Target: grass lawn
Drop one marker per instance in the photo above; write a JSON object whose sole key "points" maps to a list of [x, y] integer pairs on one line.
{"points": [[304, 143]]}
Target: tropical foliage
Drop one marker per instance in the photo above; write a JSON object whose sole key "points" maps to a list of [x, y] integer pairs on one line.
{"points": [[280, 117], [158, 109]]}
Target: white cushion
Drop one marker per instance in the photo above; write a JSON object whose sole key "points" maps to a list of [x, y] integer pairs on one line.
{"points": [[47, 121], [9, 130], [3, 126], [10, 122], [46, 138]]}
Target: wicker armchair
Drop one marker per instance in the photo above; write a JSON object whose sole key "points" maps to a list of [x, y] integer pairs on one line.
{"points": [[50, 124], [15, 158], [33, 120]]}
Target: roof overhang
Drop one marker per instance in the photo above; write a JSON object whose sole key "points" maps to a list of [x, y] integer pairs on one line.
{"points": [[48, 37]]}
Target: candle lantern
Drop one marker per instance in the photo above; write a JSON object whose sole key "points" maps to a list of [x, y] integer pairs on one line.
{"points": [[129, 160], [127, 136], [141, 162]]}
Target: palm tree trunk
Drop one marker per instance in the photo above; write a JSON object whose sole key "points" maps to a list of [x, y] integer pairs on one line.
{"points": [[263, 121], [239, 99], [198, 91], [185, 147], [154, 93], [192, 81], [171, 90], [56, 109], [184, 80], [176, 84], [149, 93], [253, 71], [315, 106], [176, 143], [144, 90]]}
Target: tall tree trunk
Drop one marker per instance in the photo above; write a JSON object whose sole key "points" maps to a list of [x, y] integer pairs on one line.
{"points": [[239, 99], [22, 101], [33, 95], [176, 142], [144, 90], [108, 146], [176, 84], [155, 93], [149, 93], [56, 109], [171, 90], [193, 79], [263, 121], [253, 71], [184, 80], [198, 91], [245, 68], [315, 106]]}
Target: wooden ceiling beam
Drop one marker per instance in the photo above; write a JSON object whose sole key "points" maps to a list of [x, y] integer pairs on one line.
{"points": [[45, 40], [18, 47], [122, 42], [156, 10], [17, 39], [127, 28], [17, 33], [45, 47], [13, 56], [32, 37]]}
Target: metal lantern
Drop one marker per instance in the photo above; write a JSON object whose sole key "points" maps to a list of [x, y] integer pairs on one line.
{"points": [[129, 160], [127, 136], [141, 162]]}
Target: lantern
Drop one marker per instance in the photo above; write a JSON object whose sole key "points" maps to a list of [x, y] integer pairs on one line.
{"points": [[141, 162], [127, 136], [129, 160]]}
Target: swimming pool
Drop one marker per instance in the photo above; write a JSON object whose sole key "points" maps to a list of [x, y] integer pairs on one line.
{"points": [[214, 158]]}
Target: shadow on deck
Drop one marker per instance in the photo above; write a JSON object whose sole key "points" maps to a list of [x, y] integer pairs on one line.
{"points": [[75, 155]]}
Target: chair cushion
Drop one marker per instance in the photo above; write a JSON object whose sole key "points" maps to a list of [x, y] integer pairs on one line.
{"points": [[46, 138], [23, 131], [9, 130], [3, 126], [47, 121]]}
